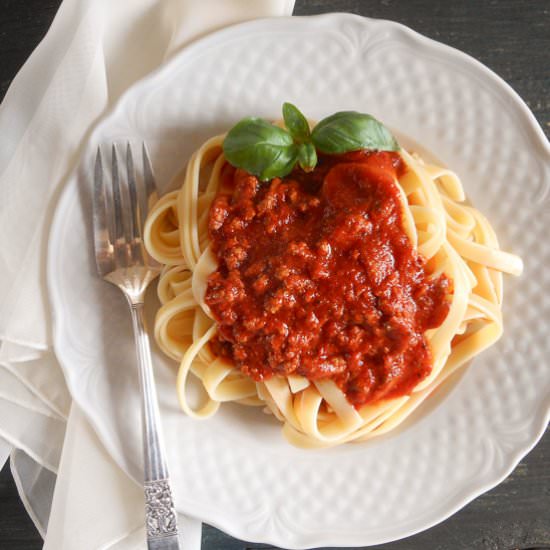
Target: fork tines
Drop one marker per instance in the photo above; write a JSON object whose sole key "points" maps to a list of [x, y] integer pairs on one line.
{"points": [[120, 205]]}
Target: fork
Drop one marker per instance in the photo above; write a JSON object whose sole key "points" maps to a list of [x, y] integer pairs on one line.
{"points": [[119, 212]]}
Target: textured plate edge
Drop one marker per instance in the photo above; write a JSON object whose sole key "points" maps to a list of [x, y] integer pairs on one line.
{"points": [[58, 320]]}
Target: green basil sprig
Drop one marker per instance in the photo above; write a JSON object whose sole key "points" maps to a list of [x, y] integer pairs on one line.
{"points": [[267, 151]]}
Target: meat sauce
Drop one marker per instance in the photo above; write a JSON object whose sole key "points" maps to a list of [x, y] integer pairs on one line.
{"points": [[317, 277]]}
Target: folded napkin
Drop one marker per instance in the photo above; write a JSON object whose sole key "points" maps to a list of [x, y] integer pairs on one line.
{"points": [[115, 511], [94, 51]]}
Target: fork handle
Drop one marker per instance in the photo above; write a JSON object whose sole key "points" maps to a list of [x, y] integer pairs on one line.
{"points": [[160, 514]]}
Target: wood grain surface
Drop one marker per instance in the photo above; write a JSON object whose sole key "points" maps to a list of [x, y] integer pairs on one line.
{"points": [[513, 39]]}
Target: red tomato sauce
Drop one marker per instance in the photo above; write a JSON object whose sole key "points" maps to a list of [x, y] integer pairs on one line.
{"points": [[317, 277]]}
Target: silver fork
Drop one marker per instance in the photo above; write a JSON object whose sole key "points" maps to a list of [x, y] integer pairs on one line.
{"points": [[119, 212]]}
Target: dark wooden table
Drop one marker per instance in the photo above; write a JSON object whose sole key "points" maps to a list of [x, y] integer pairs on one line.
{"points": [[512, 38]]}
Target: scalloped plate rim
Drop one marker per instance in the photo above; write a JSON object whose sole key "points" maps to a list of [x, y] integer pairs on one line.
{"points": [[472, 489]]}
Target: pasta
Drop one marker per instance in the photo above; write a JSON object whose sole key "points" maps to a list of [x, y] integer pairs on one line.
{"points": [[454, 238]]}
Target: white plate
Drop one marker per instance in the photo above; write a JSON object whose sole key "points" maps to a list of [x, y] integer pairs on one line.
{"points": [[235, 471]]}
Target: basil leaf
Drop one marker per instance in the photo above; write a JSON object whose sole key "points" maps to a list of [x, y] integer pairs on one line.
{"points": [[307, 157], [282, 165], [260, 148], [351, 131], [296, 123]]}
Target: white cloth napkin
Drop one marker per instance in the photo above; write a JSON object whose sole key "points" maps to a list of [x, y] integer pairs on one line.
{"points": [[94, 50], [104, 508]]}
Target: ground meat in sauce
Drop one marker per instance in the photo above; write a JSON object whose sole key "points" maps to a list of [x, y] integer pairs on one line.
{"points": [[317, 277]]}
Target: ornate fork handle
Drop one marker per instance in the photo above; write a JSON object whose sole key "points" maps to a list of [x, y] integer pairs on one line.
{"points": [[160, 514]]}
